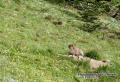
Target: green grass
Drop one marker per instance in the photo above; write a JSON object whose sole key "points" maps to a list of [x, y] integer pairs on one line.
{"points": [[93, 54], [32, 49]]}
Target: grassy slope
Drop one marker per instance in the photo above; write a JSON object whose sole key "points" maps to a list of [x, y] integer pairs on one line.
{"points": [[32, 48]]}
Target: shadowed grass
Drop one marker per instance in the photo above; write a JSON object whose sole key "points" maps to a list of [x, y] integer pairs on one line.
{"points": [[93, 54]]}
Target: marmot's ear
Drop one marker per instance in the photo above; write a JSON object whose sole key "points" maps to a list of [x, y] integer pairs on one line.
{"points": [[70, 45], [104, 61]]}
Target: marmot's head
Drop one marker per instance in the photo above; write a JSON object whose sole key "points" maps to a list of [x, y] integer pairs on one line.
{"points": [[71, 46]]}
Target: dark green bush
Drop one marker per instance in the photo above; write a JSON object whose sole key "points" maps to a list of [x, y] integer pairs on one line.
{"points": [[17, 1], [91, 27], [93, 54]]}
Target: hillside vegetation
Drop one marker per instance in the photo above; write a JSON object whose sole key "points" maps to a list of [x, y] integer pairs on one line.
{"points": [[34, 39]]}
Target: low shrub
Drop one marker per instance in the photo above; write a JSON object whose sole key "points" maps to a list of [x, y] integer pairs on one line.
{"points": [[93, 54]]}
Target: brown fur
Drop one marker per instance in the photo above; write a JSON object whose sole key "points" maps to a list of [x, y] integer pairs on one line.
{"points": [[73, 50], [94, 64]]}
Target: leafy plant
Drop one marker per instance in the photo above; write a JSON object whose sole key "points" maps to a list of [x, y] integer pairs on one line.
{"points": [[93, 54]]}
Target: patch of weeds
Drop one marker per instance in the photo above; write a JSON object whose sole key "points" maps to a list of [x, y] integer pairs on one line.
{"points": [[106, 79], [91, 27], [50, 51], [44, 10], [68, 59], [83, 65], [17, 1], [93, 54], [32, 8], [1, 4], [102, 69], [56, 1], [109, 73]]}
